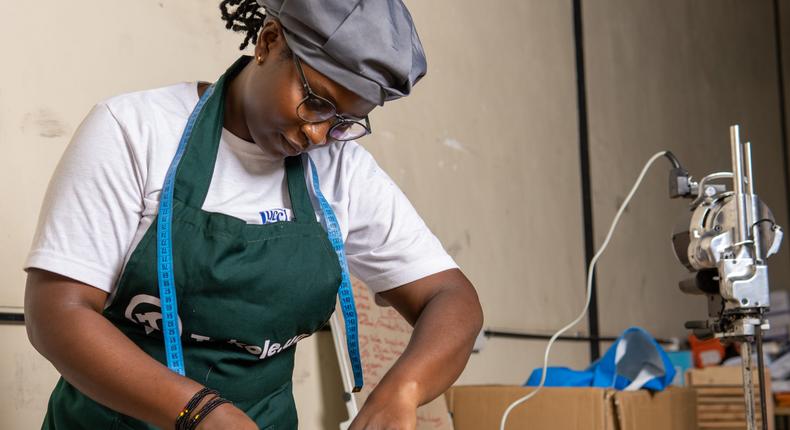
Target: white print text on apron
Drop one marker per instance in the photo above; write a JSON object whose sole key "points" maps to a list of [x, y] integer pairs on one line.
{"points": [[149, 315]]}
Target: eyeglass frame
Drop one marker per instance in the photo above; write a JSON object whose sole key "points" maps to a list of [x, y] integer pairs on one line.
{"points": [[338, 119]]}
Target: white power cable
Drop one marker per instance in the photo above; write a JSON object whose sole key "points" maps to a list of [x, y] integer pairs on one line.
{"points": [[590, 271]]}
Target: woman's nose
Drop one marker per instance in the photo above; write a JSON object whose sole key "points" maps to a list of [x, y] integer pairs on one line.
{"points": [[316, 132]]}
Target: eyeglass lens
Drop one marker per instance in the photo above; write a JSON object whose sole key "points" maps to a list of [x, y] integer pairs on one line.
{"points": [[314, 109], [347, 130]]}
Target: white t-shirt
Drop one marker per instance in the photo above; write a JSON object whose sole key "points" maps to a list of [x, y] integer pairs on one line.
{"points": [[104, 195]]}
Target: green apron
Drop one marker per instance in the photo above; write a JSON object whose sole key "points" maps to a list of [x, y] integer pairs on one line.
{"points": [[246, 293]]}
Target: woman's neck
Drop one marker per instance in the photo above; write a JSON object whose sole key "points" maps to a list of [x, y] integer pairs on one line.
{"points": [[234, 119]]}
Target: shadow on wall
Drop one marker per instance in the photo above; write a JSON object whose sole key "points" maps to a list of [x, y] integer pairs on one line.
{"points": [[334, 409]]}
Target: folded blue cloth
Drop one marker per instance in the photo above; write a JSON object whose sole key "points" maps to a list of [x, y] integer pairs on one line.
{"points": [[635, 361]]}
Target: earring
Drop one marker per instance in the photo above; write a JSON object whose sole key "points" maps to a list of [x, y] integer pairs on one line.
{"points": [[259, 59]]}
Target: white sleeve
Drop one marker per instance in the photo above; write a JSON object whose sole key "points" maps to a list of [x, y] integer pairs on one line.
{"points": [[92, 206], [388, 244]]}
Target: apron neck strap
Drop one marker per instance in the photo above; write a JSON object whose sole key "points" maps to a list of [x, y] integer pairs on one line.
{"points": [[197, 165], [297, 188]]}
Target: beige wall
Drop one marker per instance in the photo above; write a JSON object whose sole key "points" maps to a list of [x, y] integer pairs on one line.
{"points": [[63, 57], [784, 35], [493, 166], [25, 378], [486, 149]]}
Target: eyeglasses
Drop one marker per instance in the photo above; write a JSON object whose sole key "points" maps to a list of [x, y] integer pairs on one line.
{"points": [[315, 109]]}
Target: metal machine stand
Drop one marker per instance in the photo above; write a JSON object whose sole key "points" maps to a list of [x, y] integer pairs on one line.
{"points": [[729, 236]]}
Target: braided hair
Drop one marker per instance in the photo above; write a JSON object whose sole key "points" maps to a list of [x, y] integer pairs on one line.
{"points": [[243, 16]]}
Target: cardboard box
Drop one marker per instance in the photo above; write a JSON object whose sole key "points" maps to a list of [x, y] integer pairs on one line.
{"points": [[480, 407], [720, 401]]}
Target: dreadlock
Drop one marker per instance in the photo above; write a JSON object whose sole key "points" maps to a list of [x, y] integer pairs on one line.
{"points": [[247, 16]]}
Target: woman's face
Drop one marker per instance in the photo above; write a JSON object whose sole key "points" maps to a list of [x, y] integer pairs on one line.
{"points": [[273, 90]]}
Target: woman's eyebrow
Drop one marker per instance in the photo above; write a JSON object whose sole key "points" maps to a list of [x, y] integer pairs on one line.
{"points": [[322, 91]]}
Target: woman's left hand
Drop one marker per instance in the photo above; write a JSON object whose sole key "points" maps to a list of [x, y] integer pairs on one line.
{"points": [[397, 412]]}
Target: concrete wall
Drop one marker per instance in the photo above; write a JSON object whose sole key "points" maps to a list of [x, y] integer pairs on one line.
{"points": [[486, 149], [493, 166], [783, 33]]}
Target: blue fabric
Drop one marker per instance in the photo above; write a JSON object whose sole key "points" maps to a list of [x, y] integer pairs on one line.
{"points": [[561, 377], [635, 356]]}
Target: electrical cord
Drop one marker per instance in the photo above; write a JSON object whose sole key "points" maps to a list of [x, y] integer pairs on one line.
{"points": [[672, 159], [590, 271]]}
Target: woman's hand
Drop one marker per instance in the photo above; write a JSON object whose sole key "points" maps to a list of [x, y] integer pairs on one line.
{"points": [[227, 417], [397, 412]]}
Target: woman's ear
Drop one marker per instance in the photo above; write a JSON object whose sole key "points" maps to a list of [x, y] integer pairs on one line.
{"points": [[270, 40]]}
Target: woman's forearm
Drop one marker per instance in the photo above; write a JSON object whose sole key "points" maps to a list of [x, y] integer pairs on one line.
{"points": [[65, 325], [440, 345]]}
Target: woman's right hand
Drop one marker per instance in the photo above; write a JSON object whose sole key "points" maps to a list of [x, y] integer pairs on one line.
{"points": [[227, 417]]}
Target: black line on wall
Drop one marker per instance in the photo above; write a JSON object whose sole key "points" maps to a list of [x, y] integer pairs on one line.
{"points": [[12, 318], [782, 108], [584, 161], [509, 334]]}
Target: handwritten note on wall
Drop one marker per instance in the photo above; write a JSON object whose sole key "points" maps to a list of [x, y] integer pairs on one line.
{"points": [[383, 335]]}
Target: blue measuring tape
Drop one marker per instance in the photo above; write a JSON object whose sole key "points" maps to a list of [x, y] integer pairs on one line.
{"points": [[164, 252], [345, 293]]}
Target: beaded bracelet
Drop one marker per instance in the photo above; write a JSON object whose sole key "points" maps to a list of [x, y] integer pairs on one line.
{"points": [[205, 410], [183, 417]]}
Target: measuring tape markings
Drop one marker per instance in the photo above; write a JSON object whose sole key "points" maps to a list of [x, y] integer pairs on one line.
{"points": [[164, 251], [345, 292]]}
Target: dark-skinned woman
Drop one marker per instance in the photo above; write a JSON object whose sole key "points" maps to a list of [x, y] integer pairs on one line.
{"points": [[248, 189]]}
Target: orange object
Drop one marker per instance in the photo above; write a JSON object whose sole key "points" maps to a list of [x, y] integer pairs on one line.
{"points": [[707, 352]]}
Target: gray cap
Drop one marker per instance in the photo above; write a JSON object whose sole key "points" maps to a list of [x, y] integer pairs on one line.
{"points": [[368, 46]]}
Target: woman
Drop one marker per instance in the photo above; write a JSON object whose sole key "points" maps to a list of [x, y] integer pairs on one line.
{"points": [[254, 271]]}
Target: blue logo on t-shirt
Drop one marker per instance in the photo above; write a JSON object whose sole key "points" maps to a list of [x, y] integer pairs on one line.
{"points": [[274, 215]]}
